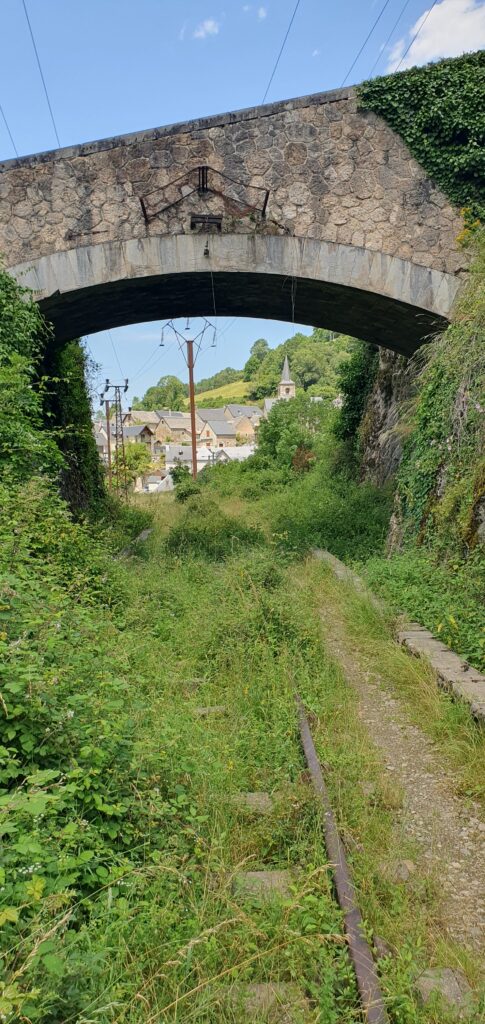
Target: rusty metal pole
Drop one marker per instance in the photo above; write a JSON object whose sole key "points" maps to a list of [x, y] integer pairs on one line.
{"points": [[108, 431], [360, 952], [190, 364]]}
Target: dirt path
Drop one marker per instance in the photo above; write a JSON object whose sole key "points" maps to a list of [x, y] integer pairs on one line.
{"points": [[450, 836]]}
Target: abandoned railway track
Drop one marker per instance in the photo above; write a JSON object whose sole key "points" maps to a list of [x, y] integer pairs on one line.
{"points": [[293, 1001]]}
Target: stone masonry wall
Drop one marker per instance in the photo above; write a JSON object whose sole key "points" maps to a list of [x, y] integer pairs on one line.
{"points": [[334, 173]]}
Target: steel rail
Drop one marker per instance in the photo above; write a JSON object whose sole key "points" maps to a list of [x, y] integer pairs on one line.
{"points": [[360, 952]]}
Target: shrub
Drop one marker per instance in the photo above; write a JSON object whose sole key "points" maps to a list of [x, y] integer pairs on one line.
{"points": [[205, 530], [186, 489]]}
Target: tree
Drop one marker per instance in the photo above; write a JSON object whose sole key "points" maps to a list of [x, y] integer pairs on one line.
{"points": [[169, 393], [138, 461], [218, 380], [258, 351], [287, 437]]}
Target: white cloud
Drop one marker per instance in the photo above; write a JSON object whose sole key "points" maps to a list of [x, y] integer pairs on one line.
{"points": [[209, 27], [262, 13], [451, 28], [246, 8], [315, 53], [182, 32]]}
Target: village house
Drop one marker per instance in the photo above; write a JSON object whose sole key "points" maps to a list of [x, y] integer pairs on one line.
{"points": [[141, 434], [140, 417], [245, 429], [181, 455], [236, 453], [235, 412], [174, 427], [101, 441], [216, 433]]}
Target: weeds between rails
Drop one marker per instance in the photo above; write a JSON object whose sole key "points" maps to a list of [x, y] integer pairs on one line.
{"points": [[159, 934]]}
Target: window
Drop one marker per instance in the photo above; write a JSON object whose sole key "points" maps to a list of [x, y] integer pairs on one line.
{"points": [[287, 391]]}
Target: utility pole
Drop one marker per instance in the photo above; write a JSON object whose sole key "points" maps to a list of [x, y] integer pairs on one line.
{"points": [[120, 456], [188, 343], [108, 432], [190, 364]]}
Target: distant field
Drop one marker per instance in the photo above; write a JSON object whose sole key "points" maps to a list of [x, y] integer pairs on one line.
{"points": [[225, 394]]}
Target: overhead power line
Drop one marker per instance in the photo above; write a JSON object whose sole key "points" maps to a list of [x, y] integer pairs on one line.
{"points": [[41, 72], [366, 40], [115, 353], [2, 112], [413, 40], [391, 33], [281, 50]]}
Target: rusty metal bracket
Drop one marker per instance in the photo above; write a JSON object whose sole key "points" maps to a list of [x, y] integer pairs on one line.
{"points": [[360, 952], [205, 181]]}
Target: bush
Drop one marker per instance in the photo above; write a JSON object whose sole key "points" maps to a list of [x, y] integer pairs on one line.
{"points": [[204, 529], [186, 489]]}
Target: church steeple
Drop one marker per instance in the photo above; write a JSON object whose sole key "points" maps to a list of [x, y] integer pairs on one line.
{"points": [[286, 386]]}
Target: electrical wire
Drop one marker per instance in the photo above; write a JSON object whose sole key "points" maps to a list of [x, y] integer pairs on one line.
{"points": [[281, 50], [2, 112], [41, 72], [391, 33], [110, 336], [413, 40], [366, 40]]}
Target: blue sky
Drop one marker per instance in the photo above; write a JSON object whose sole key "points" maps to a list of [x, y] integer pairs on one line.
{"points": [[115, 66]]}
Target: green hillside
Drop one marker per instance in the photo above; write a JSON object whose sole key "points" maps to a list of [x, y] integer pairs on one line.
{"points": [[235, 392]]}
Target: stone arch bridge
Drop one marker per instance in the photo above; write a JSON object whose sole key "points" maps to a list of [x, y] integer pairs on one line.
{"points": [[309, 210]]}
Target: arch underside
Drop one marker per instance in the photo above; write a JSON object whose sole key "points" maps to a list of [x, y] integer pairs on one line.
{"points": [[370, 295], [378, 319]]}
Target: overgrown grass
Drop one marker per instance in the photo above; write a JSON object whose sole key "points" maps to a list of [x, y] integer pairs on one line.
{"points": [[121, 872], [445, 597]]}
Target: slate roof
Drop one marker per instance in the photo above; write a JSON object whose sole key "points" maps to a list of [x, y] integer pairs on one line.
{"points": [[134, 431], [177, 421], [143, 416], [221, 427], [244, 410], [211, 414], [183, 453], [235, 453], [285, 376]]}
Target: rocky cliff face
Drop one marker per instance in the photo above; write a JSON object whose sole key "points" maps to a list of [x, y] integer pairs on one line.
{"points": [[383, 426]]}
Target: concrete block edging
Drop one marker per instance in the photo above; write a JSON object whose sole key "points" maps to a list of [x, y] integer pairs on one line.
{"points": [[453, 673]]}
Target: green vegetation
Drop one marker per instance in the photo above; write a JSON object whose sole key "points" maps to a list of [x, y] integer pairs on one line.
{"points": [[437, 110], [309, 497], [169, 393], [137, 461], [439, 577], [219, 380], [314, 363], [224, 395], [120, 839], [67, 411], [356, 378]]}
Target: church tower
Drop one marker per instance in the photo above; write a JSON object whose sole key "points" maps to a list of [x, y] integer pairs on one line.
{"points": [[286, 386]]}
